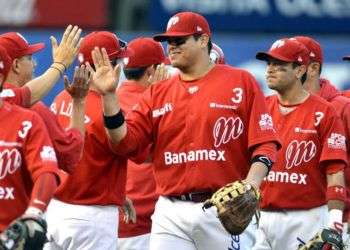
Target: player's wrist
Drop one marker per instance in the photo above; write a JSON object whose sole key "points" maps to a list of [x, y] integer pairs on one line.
{"points": [[335, 219]]}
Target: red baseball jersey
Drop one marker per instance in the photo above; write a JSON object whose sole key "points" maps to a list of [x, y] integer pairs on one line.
{"points": [[68, 144], [203, 131], [311, 134], [346, 93], [99, 177], [140, 183], [26, 152], [342, 106]]}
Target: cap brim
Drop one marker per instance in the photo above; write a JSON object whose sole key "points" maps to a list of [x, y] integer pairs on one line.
{"points": [[122, 53], [36, 47], [265, 56], [346, 58], [165, 36]]}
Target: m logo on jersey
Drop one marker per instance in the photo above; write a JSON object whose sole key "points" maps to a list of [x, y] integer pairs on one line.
{"points": [[10, 161], [265, 122], [226, 129], [298, 152], [336, 141]]}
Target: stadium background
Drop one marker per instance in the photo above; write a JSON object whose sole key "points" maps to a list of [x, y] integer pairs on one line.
{"points": [[240, 28]]}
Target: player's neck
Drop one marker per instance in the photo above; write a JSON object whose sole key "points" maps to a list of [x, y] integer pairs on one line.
{"points": [[197, 70], [293, 96], [1, 103], [312, 85]]}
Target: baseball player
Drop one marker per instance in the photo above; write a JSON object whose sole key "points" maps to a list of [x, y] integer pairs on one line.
{"points": [[28, 167], [68, 144], [204, 136], [322, 87], [140, 72], [304, 191], [346, 92], [84, 211], [217, 54], [63, 56]]}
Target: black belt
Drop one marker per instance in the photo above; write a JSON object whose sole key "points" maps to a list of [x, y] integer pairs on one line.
{"points": [[194, 197]]}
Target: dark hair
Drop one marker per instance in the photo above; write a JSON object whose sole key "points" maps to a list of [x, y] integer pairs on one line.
{"points": [[210, 44], [304, 76], [134, 73]]}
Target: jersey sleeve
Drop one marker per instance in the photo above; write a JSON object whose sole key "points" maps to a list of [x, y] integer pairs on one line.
{"points": [[38, 152], [18, 96], [261, 128], [68, 144], [332, 137], [139, 129]]}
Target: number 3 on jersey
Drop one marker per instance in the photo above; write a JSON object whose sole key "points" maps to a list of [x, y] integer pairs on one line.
{"points": [[25, 129], [238, 95], [318, 117]]}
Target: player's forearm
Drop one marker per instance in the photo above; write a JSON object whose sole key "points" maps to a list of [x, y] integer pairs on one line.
{"points": [[78, 115], [336, 180], [40, 86], [111, 108], [43, 190], [257, 173]]}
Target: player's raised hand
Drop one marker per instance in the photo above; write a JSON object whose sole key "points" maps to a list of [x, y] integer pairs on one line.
{"points": [[161, 73], [79, 87], [65, 52], [105, 77]]}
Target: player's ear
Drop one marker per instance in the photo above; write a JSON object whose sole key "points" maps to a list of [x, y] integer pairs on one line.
{"points": [[301, 70], [204, 38], [15, 67]]}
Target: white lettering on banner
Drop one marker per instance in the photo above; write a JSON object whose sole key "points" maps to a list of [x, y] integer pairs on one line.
{"points": [[287, 8], [285, 177], [6, 193], [168, 107], [246, 7], [66, 110], [226, 129], [17, 12], [196, 155], [10, 161], [298, 152]]}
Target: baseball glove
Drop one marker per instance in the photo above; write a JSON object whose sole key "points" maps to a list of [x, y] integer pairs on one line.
{"points": [[327, 239], [236, 204], [25, 233]]}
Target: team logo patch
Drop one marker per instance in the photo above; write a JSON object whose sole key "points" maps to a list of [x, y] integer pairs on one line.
{"points": [[48, 154], [337, 141], [265, 122]]}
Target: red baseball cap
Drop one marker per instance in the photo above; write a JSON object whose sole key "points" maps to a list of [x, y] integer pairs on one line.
{"points": [[346, 58], [313, 46], [5, 61], [146, 52], [17, 46], [103, 39], [286, 50], [217, 55], [184, 24]]}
